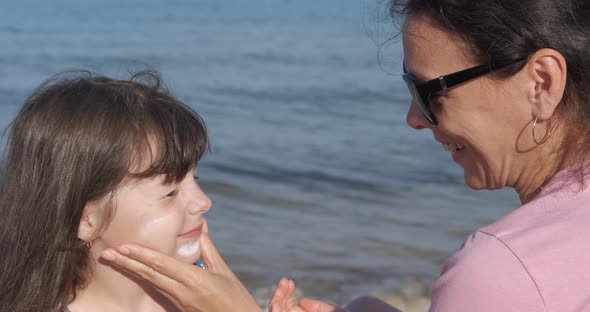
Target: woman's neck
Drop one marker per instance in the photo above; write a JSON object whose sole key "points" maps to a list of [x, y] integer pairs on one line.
{"points": [[111, 289], [540, 166]]}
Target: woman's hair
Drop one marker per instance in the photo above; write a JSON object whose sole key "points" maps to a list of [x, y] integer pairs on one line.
{"points": [[504, 31], [74, 141]]}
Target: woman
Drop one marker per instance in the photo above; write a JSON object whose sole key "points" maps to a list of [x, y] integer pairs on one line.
{"points": [[504, 86], [92, 163]]}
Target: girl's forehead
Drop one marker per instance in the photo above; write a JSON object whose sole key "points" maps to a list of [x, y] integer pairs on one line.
{"points": [[132, 182]]}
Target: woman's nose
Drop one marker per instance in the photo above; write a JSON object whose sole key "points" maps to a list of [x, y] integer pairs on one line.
{"points": [[415, 118]]}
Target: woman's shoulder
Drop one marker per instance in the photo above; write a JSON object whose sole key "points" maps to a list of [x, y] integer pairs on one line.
{"points": [[551, 218], [485, 275], [483, 256], [535, 256]]}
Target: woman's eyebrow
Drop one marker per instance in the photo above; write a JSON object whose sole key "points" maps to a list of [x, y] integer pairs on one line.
{"points": [[419, 77]]}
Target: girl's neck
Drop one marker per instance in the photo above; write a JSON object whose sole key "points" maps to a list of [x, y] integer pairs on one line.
{"points": [[111, 289]]}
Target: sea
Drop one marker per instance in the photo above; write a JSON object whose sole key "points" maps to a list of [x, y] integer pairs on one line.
{"points": [[313, 172]]}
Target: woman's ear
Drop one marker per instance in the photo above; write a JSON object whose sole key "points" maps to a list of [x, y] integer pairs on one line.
{"points": [[90, 221], [547, 70]]}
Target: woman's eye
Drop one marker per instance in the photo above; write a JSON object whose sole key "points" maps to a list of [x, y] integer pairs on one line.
{"points": [[435, 101], [172, 194]]}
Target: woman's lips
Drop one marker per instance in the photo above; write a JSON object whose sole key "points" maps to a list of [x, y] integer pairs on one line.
{"points": [[196, 232]]}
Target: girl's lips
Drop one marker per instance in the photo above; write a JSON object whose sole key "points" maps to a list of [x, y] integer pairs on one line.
{"points": [[196, 232]]}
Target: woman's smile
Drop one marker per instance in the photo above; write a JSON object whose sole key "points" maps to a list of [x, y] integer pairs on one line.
{"points": [[453, 147]]}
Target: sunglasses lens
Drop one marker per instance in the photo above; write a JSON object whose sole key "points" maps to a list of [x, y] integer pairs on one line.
{"points": [[419, 100]]}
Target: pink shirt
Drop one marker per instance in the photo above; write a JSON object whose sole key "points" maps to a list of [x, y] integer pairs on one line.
{"points": [[537, 258]]}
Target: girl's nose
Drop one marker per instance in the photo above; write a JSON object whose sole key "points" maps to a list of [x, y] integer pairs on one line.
{"points": [[199, 203]]}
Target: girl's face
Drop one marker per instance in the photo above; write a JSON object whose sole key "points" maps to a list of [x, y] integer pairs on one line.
{"points": [[165, 217]]}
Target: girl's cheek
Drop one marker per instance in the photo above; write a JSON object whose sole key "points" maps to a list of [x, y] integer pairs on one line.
{"points": [[160, 233]]}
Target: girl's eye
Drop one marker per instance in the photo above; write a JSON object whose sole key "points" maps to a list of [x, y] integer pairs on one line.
{"points": [[172, 194]]}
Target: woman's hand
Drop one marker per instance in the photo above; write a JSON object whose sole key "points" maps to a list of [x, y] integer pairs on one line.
{"points": [[282, 298], [190, 288], [282, 301]]}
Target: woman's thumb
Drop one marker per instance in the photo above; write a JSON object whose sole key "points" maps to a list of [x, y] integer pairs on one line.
{"points": [[209, 252]]}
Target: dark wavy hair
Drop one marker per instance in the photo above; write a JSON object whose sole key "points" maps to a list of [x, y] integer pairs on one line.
{"points": [[74, 141], [504, 31]]}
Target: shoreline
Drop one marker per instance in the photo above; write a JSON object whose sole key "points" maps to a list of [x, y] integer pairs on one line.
{"points": [[409, 297]]}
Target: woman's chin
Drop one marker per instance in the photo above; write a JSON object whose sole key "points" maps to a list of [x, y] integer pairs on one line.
{"points": [[475, 185], [473, 181], [476, 182]]}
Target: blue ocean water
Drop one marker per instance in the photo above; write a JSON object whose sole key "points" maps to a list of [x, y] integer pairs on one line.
{"points": [[313, 173]]}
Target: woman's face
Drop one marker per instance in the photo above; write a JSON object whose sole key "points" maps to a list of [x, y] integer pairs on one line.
{"points": [[164, 217], [483, 118]]}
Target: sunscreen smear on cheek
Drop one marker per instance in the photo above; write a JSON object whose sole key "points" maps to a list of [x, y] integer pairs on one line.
{"points": [[155, 225], [189, 249]]}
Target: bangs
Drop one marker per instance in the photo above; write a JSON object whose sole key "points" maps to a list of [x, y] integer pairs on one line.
{"points": [[168, 138]]}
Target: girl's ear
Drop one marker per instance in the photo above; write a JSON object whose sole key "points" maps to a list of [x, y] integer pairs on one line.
{"points": [[90, 221]]}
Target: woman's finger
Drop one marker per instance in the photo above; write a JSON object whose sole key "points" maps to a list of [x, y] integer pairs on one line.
{"points": [[188, 287], [162, 271], [282, 300], [280, 291], [209, 252], [165, 285], [318, 306], [290, 288]]}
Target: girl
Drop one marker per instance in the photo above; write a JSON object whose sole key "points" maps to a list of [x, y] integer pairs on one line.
{"points": [[92, 162]]}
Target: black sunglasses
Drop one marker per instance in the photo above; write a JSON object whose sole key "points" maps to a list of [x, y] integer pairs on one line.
{"points": [[421, 91]]}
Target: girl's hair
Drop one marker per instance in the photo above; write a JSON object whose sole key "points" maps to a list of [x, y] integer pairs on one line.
{"points": [[504, 31], [74, 141]]}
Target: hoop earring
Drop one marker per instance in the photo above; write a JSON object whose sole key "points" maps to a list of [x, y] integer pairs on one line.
{"points": [[88, 244], [547, 133]]}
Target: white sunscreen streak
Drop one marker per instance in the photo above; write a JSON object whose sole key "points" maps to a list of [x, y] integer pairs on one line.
{"points": [[145, 231], [188, 250]]}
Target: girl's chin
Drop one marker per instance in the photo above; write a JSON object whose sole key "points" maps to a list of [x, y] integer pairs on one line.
{"points": [[188, 258], [189, 253]]}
